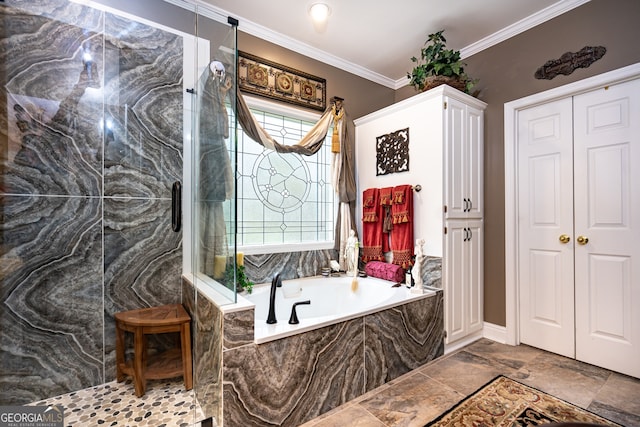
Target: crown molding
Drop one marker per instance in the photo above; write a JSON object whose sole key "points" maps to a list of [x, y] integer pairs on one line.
{"points": [[521, 26], [287, 42], [512, 30], [201, 8]]}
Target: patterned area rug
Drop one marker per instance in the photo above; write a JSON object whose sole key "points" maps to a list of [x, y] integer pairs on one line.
{"points": [[507, 403]]}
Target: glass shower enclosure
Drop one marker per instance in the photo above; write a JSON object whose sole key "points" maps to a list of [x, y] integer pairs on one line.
{"points": [[110, 111]]}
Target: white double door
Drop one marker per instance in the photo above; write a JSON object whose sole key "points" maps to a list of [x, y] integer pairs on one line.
{"points": [[579, 227]]}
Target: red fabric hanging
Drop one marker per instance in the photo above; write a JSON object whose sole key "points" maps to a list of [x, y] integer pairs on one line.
{"points": [[386, 200], [402, 218], [371, 226]]}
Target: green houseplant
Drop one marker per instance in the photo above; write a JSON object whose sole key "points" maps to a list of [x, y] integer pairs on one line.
{"points": [[242, 281], [438, 65]]}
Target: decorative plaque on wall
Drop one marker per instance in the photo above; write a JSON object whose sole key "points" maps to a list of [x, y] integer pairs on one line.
{"points": [[392, 152]]}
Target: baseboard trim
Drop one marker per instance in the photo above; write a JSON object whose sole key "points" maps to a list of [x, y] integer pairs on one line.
{"points": [[495, 333], [462, 342]]}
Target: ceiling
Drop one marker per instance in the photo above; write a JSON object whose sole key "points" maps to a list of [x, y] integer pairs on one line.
{"points": [[376, 40]]}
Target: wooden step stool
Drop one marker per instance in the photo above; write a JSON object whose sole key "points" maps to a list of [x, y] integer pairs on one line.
{"points": [[154, 320]]}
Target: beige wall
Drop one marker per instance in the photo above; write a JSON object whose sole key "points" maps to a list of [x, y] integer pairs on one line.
{"points": [[506, 73], [361, 96]]}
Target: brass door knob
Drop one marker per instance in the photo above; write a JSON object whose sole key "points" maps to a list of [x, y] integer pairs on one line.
{"points": [[564, 238], [582, 240]]}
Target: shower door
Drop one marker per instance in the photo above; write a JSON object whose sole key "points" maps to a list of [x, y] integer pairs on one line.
{"points": [[94, 123]]}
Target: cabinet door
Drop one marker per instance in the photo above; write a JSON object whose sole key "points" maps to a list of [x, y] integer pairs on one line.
{"points": [[455, 159], [473, 169], [463, 160], [463, 276], [454, 281], [473, 266]]}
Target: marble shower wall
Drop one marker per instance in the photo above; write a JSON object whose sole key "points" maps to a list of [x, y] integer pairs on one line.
{"points": [[289, 381], [89, 149]]}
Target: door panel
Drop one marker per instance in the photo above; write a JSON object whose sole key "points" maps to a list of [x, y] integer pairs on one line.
{"points": [[607, 204], [457, 161], [455, 274], [545, 205]]}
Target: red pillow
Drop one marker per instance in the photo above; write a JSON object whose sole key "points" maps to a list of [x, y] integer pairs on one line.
{"points": [[382, 270]]}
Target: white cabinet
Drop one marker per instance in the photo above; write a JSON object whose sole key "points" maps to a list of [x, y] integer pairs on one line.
{"points": [[445, 154], [463, 207]]}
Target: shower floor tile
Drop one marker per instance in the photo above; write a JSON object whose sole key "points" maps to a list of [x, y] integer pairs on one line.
{"points": [[165, 403]]}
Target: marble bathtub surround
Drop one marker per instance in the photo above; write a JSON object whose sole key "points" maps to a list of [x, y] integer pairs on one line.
{"points": [[92, 147], [421, 341], [289, 381]]}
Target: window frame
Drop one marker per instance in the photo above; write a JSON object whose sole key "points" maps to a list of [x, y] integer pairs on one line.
{"points": [[295, 113]]}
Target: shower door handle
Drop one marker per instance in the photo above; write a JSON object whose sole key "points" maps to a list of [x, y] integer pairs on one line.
{"points": [[176, 206]]}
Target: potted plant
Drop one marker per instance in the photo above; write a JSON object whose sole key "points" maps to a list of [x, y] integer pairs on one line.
{"points": [[242, 281], [438, 65]]}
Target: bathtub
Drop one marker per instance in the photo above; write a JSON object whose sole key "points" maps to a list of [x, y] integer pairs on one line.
{"points": [[332, 301]]}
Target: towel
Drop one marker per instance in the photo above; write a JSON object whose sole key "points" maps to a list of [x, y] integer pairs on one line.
{"points": [[386, 200], [402, 218], [371, 226]]}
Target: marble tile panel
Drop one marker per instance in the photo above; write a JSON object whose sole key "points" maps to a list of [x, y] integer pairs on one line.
{"points": [[568, 379], [513, 356], [53, 140], [289, 381], [143, 256], [238, 328], [465, 372], [403, 338], [623, 392], [413, 401], [352, 416], [432, 272], [143, 95], [614, 413], [51, 310], [290, 265], [207, 351], [142, 262]]}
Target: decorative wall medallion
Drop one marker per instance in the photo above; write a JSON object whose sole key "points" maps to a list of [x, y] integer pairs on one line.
{"points": [[261, 77], [307, 90], [258, 75], [284, 83], [392, 152], [570, 61]]}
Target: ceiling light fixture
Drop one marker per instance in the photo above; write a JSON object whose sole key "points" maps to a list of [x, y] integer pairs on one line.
{"points": [[319, 12]]}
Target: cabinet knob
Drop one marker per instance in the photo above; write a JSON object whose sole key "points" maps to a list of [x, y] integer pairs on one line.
{"points": [[564, 238]]}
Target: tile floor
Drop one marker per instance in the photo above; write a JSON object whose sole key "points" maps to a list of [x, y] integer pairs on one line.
{"points": [[411, 400], [165, 404], [423, 394]]}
